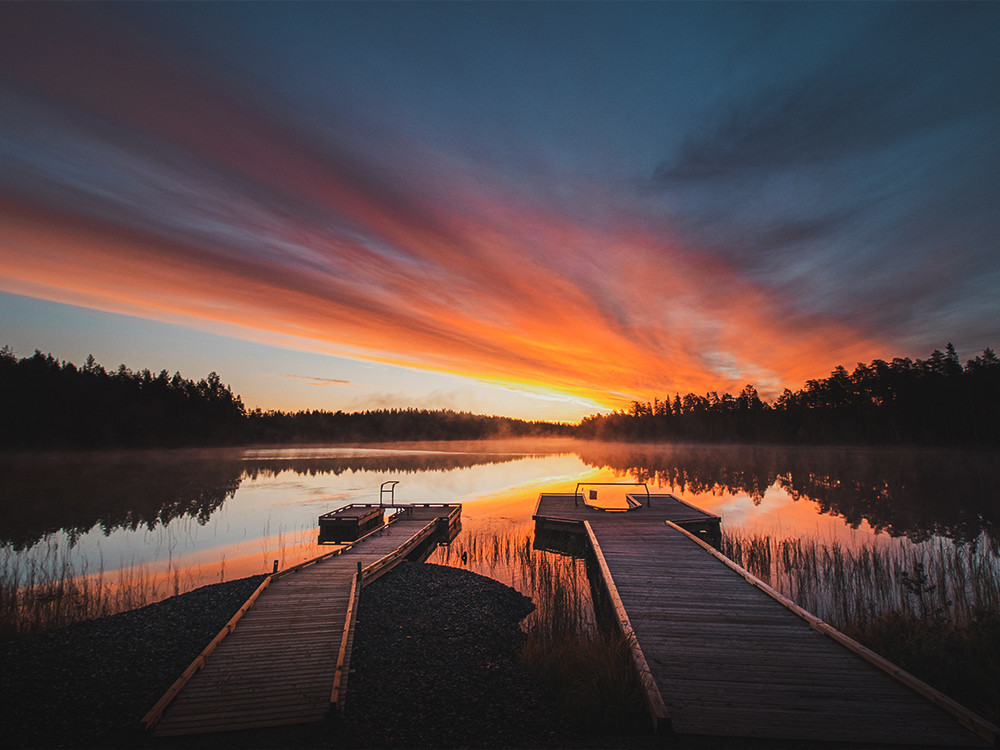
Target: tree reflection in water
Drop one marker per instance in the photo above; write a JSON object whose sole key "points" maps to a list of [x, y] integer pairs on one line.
{"points": [[45, 492], [74, 492], [915, 493], [905, 492]]}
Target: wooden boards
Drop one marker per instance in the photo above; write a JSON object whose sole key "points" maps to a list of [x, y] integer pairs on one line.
{"points": [[730, 659], [287, 658], [654, 700], [564, 512]]}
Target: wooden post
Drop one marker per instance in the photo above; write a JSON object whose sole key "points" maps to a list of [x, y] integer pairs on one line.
{"points": [[275, 570]]}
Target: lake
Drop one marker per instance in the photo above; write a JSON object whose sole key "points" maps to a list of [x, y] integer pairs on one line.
{"points": [[184, 518]]}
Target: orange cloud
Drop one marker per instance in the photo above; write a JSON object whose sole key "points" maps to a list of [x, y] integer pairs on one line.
{"points": [[637, 319], [255, 229]]}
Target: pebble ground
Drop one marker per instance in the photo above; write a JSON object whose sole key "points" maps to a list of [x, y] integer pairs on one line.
{"points": [[434, 666]]}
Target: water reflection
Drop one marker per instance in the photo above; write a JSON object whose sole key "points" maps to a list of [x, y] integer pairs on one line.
{"points": [[44, 493], [904, 492], [385, 463], [151, 505], [75, 493], [141, 525]]}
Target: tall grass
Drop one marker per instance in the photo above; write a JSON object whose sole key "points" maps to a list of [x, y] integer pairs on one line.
{"points": [[588, 669], [933, 608], [52, 589], [557, 584], [851, 586], [54, 584]]}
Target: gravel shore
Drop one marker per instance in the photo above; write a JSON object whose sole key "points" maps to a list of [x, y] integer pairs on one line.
{"points": [[434, 666], [434, 661], [89, 684]]}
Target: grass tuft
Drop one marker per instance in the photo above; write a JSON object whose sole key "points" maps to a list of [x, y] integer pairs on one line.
{"points": [[587, 669], [51, 590], [593, 677]]}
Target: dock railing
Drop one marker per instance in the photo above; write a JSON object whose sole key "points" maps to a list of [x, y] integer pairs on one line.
{"points": [[387, 488], [631, 502]]}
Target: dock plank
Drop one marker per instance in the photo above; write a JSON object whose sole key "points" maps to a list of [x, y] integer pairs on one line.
{"points": [[280, 662], [728, 657]]}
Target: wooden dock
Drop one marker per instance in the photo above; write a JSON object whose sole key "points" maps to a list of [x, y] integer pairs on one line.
{"points": [[284, 658], [721, 653]]}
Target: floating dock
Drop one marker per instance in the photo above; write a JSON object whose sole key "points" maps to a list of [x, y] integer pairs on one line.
{"points": [[719, 652], [350, 523], [284, 658]]}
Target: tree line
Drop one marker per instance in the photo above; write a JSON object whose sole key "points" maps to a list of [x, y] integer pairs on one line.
{"points": [[934, 401], [51, 404], [385, 425], [47, 403]]}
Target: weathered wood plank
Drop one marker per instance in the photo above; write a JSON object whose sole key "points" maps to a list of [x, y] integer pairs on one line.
{"points": [[983, 729], [654, 700], [288, 693], [728, 658], [341, 672], [280, 666]]}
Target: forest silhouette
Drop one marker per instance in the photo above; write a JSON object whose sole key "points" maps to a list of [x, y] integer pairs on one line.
{"points": [[937, 401], [52, 404]]}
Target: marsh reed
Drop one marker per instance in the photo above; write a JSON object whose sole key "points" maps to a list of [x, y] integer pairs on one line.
{"points": [[851, 586], [587, 667], [52, 589], [933, 608], [557, 584]]}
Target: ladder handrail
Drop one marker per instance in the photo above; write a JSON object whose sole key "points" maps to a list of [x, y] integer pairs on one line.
{"points": [[391, 490]]}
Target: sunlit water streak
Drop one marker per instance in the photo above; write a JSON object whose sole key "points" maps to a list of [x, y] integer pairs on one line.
{"points": [[171, 521]]}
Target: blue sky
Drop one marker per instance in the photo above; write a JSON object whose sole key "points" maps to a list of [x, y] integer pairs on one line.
{"points": [[539, 209]]}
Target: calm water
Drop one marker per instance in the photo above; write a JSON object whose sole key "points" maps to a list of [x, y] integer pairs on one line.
{"points": [[203, 516]]}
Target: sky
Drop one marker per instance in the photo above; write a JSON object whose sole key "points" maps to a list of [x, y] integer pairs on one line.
{"points": [[540, 210]]}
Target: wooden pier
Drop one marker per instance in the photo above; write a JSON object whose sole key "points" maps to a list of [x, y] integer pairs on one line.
{"points": [[284, 658], [721, 653]]}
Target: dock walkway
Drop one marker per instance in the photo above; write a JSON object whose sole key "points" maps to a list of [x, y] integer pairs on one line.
{"points": [[287, 658], [720, 653]]}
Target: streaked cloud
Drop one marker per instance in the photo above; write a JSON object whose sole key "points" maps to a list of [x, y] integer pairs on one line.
{"points": [[324, 382], [797, 223]]}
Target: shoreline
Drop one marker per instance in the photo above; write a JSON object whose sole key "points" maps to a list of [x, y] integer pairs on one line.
{"points": [[434, 665]]}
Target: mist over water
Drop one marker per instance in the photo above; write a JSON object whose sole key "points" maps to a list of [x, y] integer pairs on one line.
{"points": [[204, 516]]}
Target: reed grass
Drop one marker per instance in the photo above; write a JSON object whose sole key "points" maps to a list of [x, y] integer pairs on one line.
{"points": [[51, 589], [557, 584], [588, 669], [933, 608], [850, 586]]}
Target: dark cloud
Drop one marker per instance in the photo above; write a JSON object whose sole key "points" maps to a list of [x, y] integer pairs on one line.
{"points": [[863, 186], [921, 69]]}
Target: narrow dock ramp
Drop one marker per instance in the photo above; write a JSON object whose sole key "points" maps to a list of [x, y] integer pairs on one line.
{"points": [[285, 658], [720, 653]]}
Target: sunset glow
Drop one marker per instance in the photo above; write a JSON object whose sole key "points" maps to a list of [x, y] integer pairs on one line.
{"points": [[318, 188]]}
